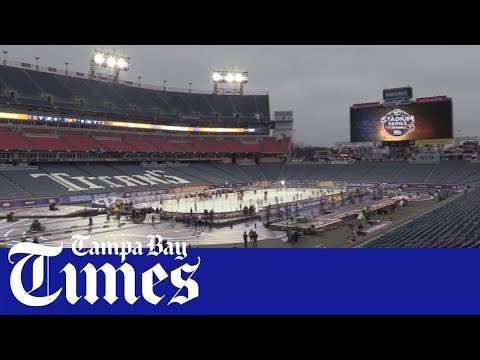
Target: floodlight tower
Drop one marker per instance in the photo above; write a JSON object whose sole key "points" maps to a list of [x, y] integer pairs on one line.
{"points": [[229, 77], [102, 59]]}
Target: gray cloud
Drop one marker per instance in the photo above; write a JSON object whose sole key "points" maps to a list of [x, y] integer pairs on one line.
{"points": [[318, 83]]}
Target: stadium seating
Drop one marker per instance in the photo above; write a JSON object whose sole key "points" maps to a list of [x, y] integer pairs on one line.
{"points": [[414, 172], [35, 130], [236, 171], [454, 223], [177, 170], [271, 171], [186, 146], [444, 169], [112, 144], [204, 173], [18, 80], [50, 143], [65, 91], [290, 171], [41, 186], [234, 146], [11, 141], [140, 144], [82, 142], [384, 171], [224, 176], [254, 172], [70, 93], [9, 190]]}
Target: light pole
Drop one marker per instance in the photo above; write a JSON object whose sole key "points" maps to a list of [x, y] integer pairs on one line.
{"points": [[66, 68], [139, 84], [36, 62], [164, 85]]}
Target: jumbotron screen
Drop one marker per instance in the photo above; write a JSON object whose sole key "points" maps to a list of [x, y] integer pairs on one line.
{"points": [[417, 121]]}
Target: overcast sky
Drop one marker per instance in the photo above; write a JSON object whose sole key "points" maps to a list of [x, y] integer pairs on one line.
{"points": [[317, 82]]}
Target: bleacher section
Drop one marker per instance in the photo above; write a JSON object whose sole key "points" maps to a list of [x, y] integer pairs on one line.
{"points": [[354, 172], [384, 171], [34, 86], [454, 223], [13, 141], [445, 169], [271, 171], [9, 190], [41, 186], [25, 88], [254, 172], [235, 171], [20, 183], [46, 139], [414, 172]]}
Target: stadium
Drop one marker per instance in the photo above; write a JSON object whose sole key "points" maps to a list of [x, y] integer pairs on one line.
{"points": [[91, 154]]}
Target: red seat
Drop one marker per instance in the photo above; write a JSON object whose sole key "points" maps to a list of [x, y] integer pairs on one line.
{"points": [[48, 143], [140, 144], [11, 141], [35, 130], [115, 145], [82, 143], [235, 146]]}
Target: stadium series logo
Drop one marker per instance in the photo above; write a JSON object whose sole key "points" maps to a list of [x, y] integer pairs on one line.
{"points": [[398, 122]]}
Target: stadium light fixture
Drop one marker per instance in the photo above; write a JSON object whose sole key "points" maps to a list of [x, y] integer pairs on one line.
{"points": [[105, 59], [238, 77], [114, 62], [111, 62], [229, 77], [121, 63], [99, 59]]}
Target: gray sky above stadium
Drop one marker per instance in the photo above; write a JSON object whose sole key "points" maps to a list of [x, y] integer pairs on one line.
{"points": [[317, 82]]}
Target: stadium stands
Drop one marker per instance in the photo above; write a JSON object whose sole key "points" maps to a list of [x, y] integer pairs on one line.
{"points": [[48, 139], [11, 141], [50, 143], [454, 223], [235, 171], [271, 171], [384, 171], [204, 173], [40, 186], [414, 172], [254, 172], [65, 91], [444, 169], [9, 190], [25, 87]]}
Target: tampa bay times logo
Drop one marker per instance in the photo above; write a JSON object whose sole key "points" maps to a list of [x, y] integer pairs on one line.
{"points": [[398, 122], [39, 273]]}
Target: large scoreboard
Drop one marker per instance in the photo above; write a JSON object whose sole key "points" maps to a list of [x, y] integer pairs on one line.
{"points": [[426, 120]]}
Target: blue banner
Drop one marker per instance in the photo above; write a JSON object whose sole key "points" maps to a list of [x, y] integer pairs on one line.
{"points": [[240, 281]]}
